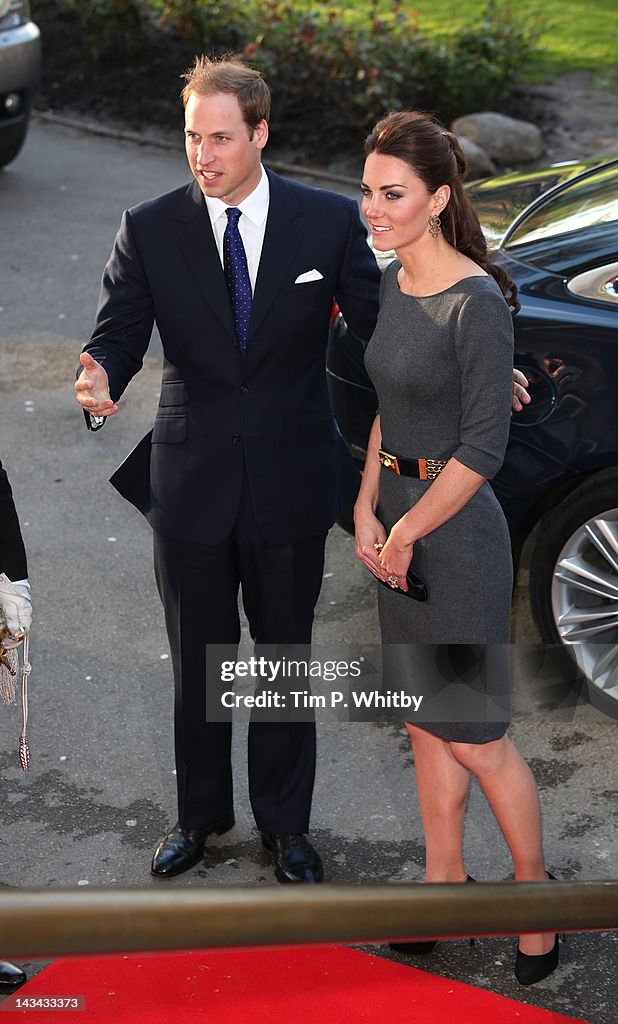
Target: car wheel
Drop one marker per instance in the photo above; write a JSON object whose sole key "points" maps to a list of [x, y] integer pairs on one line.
{"points": [[574, 584], [10, 147]]}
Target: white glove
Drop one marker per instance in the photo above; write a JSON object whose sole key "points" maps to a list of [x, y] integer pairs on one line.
{"points": [[15, 605]]}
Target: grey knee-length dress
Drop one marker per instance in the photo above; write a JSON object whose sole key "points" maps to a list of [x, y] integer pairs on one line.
{"points": [[442, 369]]}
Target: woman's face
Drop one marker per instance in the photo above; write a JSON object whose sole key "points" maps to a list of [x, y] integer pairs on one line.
{"points": [[396, 203]]}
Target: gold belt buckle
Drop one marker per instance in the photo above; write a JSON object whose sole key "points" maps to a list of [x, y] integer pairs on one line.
{"points": [[389, 461], [429, 469]]}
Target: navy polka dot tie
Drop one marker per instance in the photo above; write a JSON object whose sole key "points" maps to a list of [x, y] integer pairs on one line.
{"points": [[237, 276]]}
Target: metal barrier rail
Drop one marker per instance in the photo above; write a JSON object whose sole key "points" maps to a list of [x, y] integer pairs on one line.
{"points": [[40, 923]]}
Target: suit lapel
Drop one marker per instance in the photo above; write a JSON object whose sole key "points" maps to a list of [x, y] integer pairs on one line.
{"points": [[282, 239], [197, 243]]}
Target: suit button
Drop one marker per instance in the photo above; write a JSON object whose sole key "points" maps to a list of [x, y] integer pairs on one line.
{"points": [[243, 389], [235, 438]]}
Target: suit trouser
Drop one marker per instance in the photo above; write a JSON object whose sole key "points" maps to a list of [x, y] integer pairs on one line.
{"points": [[199, 584]]}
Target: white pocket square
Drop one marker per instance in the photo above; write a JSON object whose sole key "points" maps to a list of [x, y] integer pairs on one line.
{"points": [[309, 275]]}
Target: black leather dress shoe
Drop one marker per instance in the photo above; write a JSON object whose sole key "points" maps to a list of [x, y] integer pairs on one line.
{"points": [[183, 848], [11, 976], [294, 857]]}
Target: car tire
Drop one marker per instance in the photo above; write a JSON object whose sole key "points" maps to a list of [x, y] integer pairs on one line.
{"points": [[10, 147], [568, 551]]}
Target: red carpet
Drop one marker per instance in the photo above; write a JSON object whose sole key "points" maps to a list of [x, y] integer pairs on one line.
{"points": [[318, 985]]}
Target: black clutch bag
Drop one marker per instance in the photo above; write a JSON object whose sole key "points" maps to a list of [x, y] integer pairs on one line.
{"points": [[416, 587]]}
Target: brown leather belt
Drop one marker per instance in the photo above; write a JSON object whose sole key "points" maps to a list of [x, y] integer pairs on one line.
{"points": [[422, 469]]}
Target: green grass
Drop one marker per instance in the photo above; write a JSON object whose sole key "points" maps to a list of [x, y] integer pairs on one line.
{"points": [[575, 35]]}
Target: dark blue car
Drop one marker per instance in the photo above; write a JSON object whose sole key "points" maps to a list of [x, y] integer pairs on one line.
{"points": [[556, 232]]}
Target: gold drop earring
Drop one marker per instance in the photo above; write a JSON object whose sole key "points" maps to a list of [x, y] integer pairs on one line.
{"points": [[434, 225]]}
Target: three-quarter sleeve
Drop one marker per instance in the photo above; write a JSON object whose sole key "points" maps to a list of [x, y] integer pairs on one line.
{"points": [[484, 351]]}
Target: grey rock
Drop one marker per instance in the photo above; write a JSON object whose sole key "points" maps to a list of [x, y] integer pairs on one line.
{"points": [[480, 164], [506, 139]]}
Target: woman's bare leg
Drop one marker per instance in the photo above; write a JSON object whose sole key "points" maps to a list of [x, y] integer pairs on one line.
{"points": [[509, 786], [442, 785]]}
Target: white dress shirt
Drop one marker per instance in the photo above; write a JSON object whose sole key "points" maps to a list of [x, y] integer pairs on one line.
{"points": [[252, 227], [252, 224]]}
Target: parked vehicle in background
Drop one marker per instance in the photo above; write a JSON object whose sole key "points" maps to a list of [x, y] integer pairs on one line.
{"points": [[20, 63], [556, 232]]}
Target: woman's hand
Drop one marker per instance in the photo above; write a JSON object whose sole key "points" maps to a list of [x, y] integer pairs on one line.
{"points": [[370, 535], [395, 558]]}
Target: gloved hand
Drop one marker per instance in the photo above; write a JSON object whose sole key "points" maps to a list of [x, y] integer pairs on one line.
{"points": [[15, 605]]}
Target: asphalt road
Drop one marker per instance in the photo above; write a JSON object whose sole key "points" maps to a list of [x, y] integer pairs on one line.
{"points": [[102, 788]]}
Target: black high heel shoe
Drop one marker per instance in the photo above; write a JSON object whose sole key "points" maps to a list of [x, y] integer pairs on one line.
{"points": [[11, 976], [530, 969], [421, 948]]}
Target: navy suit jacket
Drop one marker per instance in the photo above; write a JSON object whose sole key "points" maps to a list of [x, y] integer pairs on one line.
{"points": [[218, 410], [12, 552]]}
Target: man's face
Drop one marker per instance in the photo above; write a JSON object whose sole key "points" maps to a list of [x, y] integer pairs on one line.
{"points": [[223, 153]]}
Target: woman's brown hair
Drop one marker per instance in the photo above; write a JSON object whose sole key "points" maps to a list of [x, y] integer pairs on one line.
{"points": [[436, 157]]}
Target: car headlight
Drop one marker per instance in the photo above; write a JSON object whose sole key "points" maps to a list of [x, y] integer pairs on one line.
{"points": [[14, 13]]}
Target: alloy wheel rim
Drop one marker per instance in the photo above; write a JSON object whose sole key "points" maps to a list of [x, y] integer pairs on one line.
{"points": [[585, 600]]}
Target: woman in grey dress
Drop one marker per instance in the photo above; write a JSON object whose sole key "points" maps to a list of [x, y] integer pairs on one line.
{"points": [[441, 362]]}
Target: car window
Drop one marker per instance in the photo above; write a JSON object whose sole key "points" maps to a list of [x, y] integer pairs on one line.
{"points": [[587, 203], [498, 202]]}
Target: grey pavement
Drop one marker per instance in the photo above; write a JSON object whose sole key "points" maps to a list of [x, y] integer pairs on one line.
{"points": [[102, 789]]}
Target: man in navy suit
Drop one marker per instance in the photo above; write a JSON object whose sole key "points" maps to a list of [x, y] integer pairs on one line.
{"points": [[241, 475]]}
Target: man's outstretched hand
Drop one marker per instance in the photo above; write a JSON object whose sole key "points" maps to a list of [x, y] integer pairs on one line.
{"points": [[92, 388], [520, 395]]}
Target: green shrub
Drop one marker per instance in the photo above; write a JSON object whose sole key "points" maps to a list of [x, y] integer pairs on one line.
{"points": [[327, 76], [334, 69], [334, 74], [105, 24], [209, 23], [485, 61]]}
